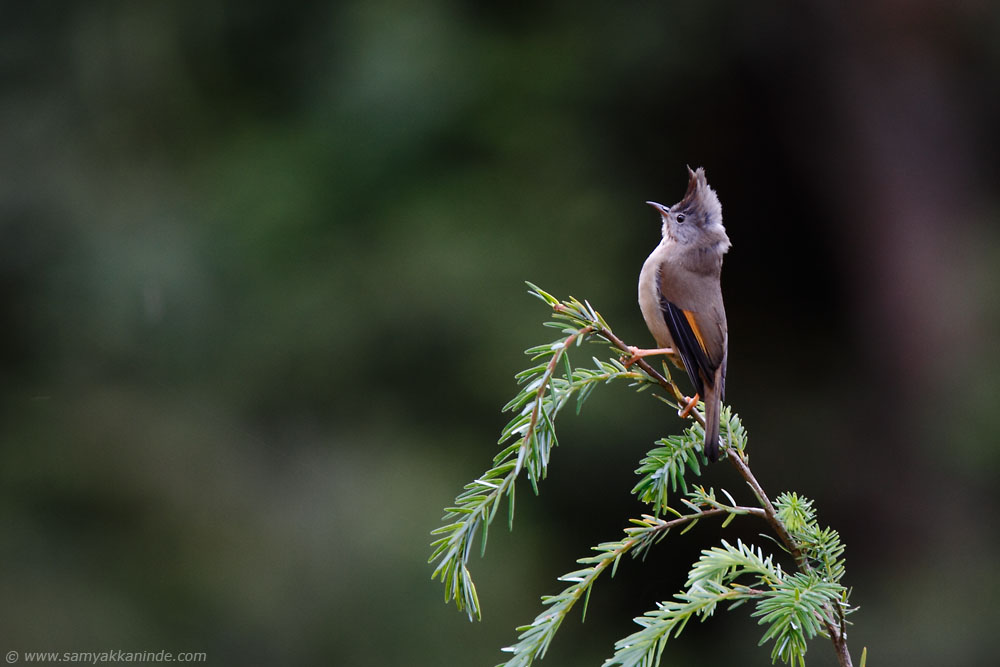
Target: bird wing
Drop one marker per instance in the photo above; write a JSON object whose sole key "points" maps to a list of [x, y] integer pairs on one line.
{"points": [[690, 344], [697, 323]]}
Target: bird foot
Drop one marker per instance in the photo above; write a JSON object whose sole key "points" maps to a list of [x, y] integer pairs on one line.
{"points": [[689, 407], [638, 353]]}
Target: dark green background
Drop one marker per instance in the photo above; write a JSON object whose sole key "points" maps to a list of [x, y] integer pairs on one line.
{"points": [[261, 290]]}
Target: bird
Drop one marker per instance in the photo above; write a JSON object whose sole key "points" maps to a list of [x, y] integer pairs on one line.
{"points": [[680, 296]]}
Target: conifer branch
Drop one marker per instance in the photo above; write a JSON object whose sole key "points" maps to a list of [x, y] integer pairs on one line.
{"points": [[795, 607]]}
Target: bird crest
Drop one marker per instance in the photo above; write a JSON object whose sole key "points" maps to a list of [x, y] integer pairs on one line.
{"points": [[700, 199]]}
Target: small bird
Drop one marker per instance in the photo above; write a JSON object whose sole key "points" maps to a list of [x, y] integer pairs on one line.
{"points": [[680, 296]]}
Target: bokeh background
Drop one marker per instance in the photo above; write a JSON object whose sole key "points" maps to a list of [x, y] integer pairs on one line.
{"points": [[261, 290]]}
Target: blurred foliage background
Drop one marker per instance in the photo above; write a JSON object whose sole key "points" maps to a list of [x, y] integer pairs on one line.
{"points": [[261, 289]]}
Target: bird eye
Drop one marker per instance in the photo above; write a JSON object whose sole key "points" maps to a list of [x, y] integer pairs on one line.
{"points": [[680, 217]]}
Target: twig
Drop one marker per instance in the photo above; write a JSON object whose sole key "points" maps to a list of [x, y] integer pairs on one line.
{"points": [[667, 525], [772, 515], [549, 371]]}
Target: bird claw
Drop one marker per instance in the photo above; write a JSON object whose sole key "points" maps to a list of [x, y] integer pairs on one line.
{"points": [[683, 413], [638, 353], [634, 351]]}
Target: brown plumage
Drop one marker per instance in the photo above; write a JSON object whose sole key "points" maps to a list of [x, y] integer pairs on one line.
{"points": [[681, 297]]}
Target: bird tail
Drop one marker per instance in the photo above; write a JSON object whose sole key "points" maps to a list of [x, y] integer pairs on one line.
{"points": [[713, 406]]}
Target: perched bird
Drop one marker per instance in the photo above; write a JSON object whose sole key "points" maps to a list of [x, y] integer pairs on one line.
{"points": [[681, 297]]}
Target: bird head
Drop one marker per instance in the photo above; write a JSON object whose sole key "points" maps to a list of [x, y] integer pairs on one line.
{"points": [[696, 220]]}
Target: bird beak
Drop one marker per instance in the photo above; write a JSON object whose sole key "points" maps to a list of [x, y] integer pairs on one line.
{"points": [[660, 208]]}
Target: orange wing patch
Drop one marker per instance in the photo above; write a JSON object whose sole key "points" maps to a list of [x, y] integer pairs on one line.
{"points": [[689, 315]]}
